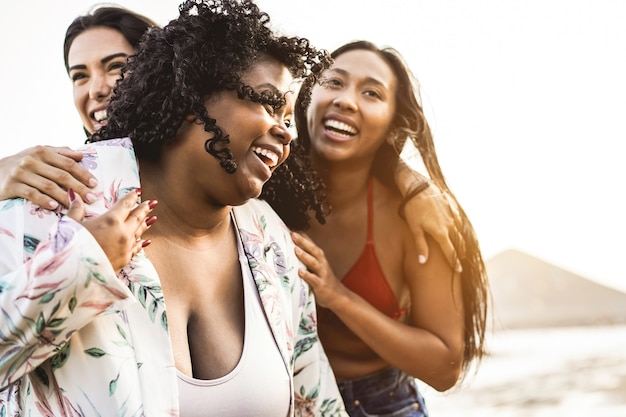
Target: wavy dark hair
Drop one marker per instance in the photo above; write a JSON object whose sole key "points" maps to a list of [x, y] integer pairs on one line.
{"points": [[203, 52], [130, 24], [409, 124]]}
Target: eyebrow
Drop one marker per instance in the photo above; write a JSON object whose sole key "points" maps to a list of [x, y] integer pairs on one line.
{"points": [[269, 86], [367, 79], [102, 61], [273, 88]]}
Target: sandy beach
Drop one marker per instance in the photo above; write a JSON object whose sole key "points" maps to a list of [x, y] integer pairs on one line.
{"points": [[551, 372]]}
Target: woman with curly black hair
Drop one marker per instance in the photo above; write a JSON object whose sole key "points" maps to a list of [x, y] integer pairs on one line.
{"points": [[211, 318]]}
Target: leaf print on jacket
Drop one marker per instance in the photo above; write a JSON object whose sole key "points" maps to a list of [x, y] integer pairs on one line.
{"points": [[81, 341]]}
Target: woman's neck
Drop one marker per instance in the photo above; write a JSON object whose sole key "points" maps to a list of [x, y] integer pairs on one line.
{"points": [[182, 215], [345, 183]]}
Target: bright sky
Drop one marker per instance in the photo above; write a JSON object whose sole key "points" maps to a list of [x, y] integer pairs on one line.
{"points": [[527, 101]]}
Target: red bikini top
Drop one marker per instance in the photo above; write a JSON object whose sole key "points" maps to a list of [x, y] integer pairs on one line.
{"points": [[366, 277]]}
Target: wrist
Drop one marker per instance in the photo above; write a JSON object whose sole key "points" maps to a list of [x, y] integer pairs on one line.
{"points": [[407, 179], [415, 190]]}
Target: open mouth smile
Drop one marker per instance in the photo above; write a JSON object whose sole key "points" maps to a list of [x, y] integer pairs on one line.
{"points": [[269, 157]]}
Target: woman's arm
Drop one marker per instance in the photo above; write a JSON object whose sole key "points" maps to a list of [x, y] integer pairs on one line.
{"points": [[431, 348], [428, 211], [43, 174], [68, 278]]}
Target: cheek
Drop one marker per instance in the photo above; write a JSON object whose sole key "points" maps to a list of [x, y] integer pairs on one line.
{"points": [[382, 119], [80, 98], [311, 120], [112, 78], [286, 153]]}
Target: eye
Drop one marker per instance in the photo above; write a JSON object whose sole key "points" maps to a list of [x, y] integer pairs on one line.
{"points": [[373, 94], [77, 76], [116, 66], [331, 83]]}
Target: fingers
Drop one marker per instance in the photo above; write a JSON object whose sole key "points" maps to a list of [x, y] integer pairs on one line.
{"points": [[119, 230], [43, 173], [65, 171], [306, 251], [77, 207], [421, 245], [450, 253], [70, 153], [139, 217]]}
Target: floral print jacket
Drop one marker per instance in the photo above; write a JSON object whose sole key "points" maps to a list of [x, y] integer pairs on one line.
{"points": [[77, 340]]}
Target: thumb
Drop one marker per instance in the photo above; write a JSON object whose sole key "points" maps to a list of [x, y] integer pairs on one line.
{"points": [[77, 207]]}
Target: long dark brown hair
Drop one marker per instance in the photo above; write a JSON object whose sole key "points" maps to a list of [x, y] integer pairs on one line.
{"points": [[409, 127], [130, 24]]}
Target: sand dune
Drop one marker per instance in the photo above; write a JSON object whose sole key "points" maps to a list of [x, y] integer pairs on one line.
{"points": [[529, 292]]}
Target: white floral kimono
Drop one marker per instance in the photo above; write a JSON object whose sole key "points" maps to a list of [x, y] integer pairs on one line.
{"points": [[77, 340]]}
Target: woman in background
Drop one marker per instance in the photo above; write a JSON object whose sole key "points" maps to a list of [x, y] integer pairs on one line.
{"points": [[95, 50]]}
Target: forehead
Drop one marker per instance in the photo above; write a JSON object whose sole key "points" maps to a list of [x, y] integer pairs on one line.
{"points": [[365, 65], [268, 73], [96, 43]]}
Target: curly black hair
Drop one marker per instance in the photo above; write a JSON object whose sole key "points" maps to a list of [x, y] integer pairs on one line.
{"points": [[203, 52]]}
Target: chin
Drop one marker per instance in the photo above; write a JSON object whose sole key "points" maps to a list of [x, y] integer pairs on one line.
{"points": [[243, 198]]}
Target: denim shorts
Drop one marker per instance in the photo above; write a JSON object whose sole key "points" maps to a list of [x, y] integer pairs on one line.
{"points": [[387, 393]]}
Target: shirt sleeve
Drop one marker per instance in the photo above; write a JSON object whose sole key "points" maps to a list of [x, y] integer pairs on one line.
{"points": [[51, 285]]}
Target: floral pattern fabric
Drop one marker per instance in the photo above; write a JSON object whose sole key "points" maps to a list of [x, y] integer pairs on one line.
{"points": [[78, 340]]}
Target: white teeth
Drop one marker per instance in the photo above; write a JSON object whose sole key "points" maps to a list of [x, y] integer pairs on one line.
{"points": [[341, 127], [100, 116], [267, 154]]}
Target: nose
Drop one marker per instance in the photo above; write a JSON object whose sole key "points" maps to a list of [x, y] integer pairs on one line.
{"points": [[345, 100], [100, 87], [282, 132]]}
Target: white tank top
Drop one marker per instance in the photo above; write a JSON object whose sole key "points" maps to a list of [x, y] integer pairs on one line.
{"points": [[258, 385]]}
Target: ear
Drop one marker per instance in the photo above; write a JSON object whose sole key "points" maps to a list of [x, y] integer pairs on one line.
{"points": [[190, 118]]}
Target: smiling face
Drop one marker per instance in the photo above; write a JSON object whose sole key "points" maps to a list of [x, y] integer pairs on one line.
{"points": [[351, 110], [95, 60], [259, 137]]}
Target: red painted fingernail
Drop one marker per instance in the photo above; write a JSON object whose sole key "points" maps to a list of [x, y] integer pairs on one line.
{"points": [[139, 191], [71, 195], [145, 243], [150, 220], [152, 204]]}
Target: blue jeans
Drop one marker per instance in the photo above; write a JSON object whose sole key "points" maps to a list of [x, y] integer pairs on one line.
{"points": [[387, 393]]}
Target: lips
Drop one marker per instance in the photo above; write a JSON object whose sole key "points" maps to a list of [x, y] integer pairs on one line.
{"points": [[268, 156], [99, 118], [339, 129]]}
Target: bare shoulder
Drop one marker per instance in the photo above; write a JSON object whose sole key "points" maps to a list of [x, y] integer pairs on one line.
{"points": [[387, 203]]}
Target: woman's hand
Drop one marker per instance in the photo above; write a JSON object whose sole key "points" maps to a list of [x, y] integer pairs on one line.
{"points": [[119, 230], [431, 212], [42, 174], [318, 273]]}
